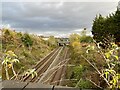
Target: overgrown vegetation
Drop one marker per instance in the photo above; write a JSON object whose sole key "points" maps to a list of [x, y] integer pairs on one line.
{"points": [[9, 59], [94, 67], [27, 48], [96, 64], [27, 40]]}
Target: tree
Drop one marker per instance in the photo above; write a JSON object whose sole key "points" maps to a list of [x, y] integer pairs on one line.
{"points": [[52, 41], [74, 38], [26, 39], [98, 28], [117, 25], [104, 29], [84, 38]]}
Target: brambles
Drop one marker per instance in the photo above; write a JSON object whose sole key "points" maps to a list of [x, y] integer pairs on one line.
{"points": [[100, 66], [109, 73]]}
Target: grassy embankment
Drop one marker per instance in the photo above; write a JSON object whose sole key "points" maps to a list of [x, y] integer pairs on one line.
{"points": [[81, 72], [28, 47]]}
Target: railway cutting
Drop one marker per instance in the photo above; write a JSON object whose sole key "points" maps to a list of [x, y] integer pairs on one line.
{"points": [[51, 69]]}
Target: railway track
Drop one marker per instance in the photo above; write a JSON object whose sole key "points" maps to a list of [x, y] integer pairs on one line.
{"points": [[55, 75], [51, 68], [59, 74]]}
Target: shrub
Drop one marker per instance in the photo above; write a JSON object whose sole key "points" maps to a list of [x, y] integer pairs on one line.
{"points": [[26, 39]]}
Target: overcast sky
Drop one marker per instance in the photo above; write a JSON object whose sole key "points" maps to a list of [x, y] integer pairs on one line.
{"points": [[53, 18]]}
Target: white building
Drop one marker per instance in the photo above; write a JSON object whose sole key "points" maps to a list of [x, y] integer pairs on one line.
{"points": [[45, 38]]}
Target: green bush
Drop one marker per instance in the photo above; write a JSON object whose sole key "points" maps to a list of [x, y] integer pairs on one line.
{"points": [[26, 39], [84, 84], [86, 39], [77, 72]]}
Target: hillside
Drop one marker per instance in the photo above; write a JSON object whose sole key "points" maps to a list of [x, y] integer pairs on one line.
{"points": [[29, 48]]}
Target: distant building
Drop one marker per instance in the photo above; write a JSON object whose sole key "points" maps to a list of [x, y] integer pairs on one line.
{"points": [[44, 37], [63, 41]]}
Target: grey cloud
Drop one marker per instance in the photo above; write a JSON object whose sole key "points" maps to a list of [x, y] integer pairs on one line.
{"points": [[53, 16]]}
